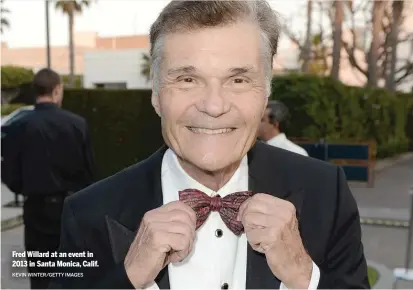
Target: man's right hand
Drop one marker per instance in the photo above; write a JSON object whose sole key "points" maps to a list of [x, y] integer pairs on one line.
{"points": [[166, 235]]}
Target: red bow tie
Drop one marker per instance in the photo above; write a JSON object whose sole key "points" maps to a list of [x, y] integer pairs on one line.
{"points": [[227, 207]]}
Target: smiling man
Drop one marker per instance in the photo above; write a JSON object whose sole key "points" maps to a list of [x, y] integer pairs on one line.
{"points": [[214, 208]]}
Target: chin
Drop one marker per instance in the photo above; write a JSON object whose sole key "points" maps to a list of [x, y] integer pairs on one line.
{"points": [[213, 162]]}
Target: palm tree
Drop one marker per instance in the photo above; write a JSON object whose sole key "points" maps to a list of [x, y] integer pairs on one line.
{"points": [[337, 33], [4, 21], [71, 7], [146, 66]]}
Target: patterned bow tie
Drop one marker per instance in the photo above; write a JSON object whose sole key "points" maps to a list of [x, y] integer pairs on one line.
{"points": [[227, 207]]}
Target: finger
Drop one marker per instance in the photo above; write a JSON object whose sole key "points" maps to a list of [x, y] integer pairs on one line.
{"points": [[261, 240], [259, 206], [181, 246], [256, 220], [172, 215], [175, 227], [242, 209], [179, 205]]}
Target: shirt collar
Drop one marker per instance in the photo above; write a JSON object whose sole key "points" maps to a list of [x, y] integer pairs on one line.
{"points": [[46, 105], [277, 139], [182, 180]]}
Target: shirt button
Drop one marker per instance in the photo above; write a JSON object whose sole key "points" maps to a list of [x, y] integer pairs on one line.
{"points": [[224, 286], [218, 234]]}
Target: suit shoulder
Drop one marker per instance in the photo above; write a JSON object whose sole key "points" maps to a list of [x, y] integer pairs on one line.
{"points": [[111, 193], [72, 116]]}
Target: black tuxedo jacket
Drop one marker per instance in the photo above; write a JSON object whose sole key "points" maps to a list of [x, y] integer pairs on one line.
{"points": [[104, 218]]}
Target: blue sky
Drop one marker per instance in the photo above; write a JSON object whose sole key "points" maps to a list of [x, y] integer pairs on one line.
{"points": [[107, 17]]}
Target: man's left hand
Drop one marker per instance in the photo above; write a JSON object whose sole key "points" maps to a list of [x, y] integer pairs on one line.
{"points": [[271, 228]]}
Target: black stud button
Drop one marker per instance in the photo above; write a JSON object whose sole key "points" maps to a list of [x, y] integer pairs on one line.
{"points": [[224, 286], [218, 233]]}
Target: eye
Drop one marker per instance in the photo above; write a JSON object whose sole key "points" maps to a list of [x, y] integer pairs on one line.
{"points": [[239, 80], [187, 80]]}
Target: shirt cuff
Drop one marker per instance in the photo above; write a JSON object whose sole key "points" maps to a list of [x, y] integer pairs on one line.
{"points": [[152, 286], [315, 279]]}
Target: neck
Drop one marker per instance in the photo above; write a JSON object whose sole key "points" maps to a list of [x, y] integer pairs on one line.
{"points": [[271, 135], [214, 180], [44, 99]]}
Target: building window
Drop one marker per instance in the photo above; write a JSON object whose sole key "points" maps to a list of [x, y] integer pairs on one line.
{"points": [[110, 86]]}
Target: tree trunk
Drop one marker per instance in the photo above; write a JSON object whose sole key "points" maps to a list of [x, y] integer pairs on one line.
{"points": [[48, 57], [71, 50], [338, 23], [373, 55], [397, 8], [308, 41]]}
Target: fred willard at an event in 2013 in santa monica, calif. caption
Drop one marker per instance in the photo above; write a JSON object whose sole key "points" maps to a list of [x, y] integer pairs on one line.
{"points": [[214, 208]]}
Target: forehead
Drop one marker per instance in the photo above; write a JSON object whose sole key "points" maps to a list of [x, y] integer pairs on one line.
{"points": [[215, 48]]}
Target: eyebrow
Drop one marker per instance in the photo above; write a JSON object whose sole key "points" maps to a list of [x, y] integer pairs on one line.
{"points": [[191, 69], [182, 69], [242, 70]]}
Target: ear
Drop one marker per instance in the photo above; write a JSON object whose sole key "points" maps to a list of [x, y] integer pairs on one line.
{"points": [[155, 103]]}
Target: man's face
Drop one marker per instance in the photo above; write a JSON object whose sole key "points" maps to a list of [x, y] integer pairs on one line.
{"points": [[212, 94]]}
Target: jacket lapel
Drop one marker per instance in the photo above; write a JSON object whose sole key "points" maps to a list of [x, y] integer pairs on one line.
{"points": [[122, 230], [267, 176]]}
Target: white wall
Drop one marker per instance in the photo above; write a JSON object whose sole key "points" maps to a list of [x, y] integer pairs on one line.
{"points": [[114, 66]]}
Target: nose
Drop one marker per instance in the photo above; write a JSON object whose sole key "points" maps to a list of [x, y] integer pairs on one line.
{"points": [[213, 102]]}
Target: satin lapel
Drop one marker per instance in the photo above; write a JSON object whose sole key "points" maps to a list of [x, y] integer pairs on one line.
{"points": [[267, 176], [123, 230]]}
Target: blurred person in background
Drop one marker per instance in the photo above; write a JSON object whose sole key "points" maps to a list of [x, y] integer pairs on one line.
{"points": [[272, 128], [46, 156]]}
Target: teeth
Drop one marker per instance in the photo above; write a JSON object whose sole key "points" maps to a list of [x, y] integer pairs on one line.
{"points": [[210, 131]]}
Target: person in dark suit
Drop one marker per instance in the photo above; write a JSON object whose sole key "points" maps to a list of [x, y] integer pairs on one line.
{"points": [[46, 156], [214, 208]]}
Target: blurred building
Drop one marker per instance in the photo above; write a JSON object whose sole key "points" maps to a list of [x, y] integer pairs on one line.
{"points": [[115, 69], [35, 57]]}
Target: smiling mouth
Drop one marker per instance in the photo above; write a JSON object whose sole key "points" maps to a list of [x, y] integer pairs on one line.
{"points": [[210, 131]]}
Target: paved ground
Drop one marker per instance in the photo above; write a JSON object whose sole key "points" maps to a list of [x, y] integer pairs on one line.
{"points": [[390, 189]]}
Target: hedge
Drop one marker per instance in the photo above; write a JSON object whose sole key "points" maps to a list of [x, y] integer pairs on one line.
{"points": [[14, 76], [326, 108], [7, 109], [125, 128], [123, 125]]}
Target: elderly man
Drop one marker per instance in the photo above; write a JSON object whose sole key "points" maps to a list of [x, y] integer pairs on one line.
{"points": [[214, 208], [272, 128]]}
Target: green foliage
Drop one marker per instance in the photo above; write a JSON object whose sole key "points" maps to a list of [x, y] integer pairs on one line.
{"points": [[78, 82], [7, 109], [124, 127], [373, 276], [14, 76], [326, 108]]}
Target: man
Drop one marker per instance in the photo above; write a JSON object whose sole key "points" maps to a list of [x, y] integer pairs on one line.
{"points": [[214, 209], [272, 128], [46, 156]]}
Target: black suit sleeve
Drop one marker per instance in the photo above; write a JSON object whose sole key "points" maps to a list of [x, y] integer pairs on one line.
{"points": [[72, 241], [11, 159], [345, 266]]}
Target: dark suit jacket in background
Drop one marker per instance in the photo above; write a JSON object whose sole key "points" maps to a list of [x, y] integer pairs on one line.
{"points": [[105, 217], [47, 152]]}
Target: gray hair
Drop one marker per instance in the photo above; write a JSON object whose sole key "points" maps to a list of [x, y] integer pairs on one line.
{"points": [[179, 16]]}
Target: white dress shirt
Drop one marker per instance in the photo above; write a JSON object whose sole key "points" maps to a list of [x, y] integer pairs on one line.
{"points": [[218, 255], [282, 141]]}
